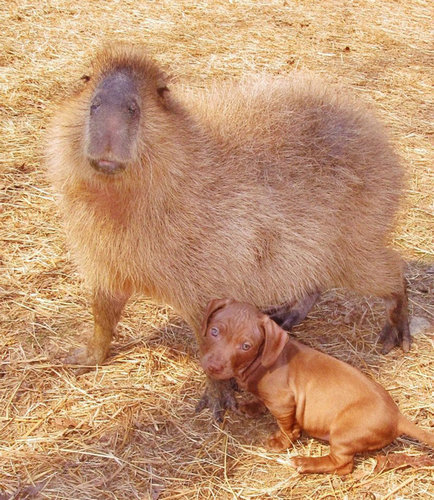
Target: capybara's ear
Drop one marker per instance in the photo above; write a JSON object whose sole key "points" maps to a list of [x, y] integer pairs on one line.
{"points": [[211, 308], [275, 340], [162, 87]]}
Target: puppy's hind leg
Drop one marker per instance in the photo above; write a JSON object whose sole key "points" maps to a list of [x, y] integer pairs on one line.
{"points": [[359, 428], [332, 463], [342, 451]]}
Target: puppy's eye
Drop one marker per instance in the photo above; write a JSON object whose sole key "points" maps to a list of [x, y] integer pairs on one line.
{"points": [[246, 346], [214, 331]]}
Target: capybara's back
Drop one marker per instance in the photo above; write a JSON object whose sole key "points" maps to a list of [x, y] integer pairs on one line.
{"points": [[325, 163], [267, 190]]}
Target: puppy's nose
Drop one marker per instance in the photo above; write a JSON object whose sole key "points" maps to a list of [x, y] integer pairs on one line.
{"points": [[214, 367]]}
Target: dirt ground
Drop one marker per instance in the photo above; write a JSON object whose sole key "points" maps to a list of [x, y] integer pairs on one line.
{"points": [[128, 430]]}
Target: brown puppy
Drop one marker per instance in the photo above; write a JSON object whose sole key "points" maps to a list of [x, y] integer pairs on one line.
{"points": [[302, 388]]}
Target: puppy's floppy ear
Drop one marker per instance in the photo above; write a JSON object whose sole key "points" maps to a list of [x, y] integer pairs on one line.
{"points": [[213, 306], [275, 340]]}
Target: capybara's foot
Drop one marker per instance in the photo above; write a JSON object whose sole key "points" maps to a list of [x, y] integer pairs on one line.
{"points": [[392, 336], [320, 465], [252, 408], [218, 397], [280, 441], [83, 360], [288, 319], [396, 331], [288, 316]]}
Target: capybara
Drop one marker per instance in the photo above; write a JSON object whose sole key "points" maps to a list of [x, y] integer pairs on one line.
{"points": [[270, 190], [303, 388]]}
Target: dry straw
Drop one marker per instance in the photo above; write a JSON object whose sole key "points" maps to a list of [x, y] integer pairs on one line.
{"points": [[128, 430]]}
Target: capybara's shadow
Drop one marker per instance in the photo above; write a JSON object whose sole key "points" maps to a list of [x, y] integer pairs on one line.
{"points": [[341, 324]]}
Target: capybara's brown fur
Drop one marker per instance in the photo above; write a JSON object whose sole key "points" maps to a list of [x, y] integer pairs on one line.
{"points": [[267, 190]]}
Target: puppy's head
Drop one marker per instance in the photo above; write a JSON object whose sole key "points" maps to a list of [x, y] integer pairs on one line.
{"points": [[234, 334]]}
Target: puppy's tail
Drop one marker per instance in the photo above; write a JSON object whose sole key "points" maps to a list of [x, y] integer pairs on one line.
{"points": [[407, 427]]}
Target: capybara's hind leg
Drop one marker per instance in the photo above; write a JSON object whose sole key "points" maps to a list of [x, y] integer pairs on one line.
{"points": [[381, 274], [340, 464], [289, 315], [107, 310], [390, 276], [396, 331]]}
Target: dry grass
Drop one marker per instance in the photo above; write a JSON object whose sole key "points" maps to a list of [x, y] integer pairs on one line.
{"points": [[128, 430]]}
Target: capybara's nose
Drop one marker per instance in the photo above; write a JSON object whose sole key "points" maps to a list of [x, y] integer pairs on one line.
{"points": [[107, 167]]}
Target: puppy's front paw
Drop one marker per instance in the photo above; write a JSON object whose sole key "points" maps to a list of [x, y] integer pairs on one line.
{"points": [[278, 441]]}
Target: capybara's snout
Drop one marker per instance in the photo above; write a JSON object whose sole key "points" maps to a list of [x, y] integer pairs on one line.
{"points": [[114, 115]]}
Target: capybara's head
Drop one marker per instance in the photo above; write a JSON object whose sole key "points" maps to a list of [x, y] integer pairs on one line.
{"points": [[234, 335], [126, 88]]}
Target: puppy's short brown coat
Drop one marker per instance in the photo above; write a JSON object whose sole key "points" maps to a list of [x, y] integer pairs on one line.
{"points": [[303, 388]]}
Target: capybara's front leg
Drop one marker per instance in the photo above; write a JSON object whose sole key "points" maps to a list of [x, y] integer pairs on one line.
{"points": [[107, 309], [218, 397]]}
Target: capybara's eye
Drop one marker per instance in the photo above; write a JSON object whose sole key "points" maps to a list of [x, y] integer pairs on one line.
{"points": [[95, 105], [246, 346], [133, 108], [214, 331]]}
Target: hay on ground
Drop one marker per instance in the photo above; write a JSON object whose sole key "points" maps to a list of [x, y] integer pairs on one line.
{"points": [[128, 430]]}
